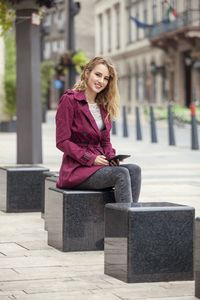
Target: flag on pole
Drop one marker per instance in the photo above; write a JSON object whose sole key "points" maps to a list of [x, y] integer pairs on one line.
{"points": [[170, 10], [140, 24]]}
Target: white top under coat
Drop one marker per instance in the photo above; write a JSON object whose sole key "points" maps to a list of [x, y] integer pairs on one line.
{"points": [[95, 111]]}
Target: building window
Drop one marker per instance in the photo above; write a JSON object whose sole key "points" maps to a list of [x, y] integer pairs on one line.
{"points": [[129, 23], [174, 4], [145, 76], [133, 29], [55, 46], [154, 11], [60, 21], [109, 29], [117, 12], [145, 13], [61, 46], [48, 20], [137, 17], [47, 50], [136, 82], [129, 84], [187, 4], [101, 33], [163, 11], [53, 17]]}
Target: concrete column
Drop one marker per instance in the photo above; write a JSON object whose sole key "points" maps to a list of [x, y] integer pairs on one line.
{"points": [[196, 84], [180, 79], [159, 97], [29, 116]]}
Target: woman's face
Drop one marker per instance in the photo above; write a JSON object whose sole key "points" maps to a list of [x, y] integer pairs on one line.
{"points": [[97, 79]]}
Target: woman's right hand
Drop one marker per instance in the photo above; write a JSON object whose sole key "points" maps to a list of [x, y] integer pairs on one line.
{"points": [[101, 160]]}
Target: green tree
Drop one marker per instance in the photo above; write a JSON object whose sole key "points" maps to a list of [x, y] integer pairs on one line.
{"points": [[7, 16], [47, 73], [7, 12], [10, 75], [79, 59]]}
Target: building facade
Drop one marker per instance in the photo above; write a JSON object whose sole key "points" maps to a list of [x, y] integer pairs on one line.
{"points": [[55, 29], [155, 46], [55, 35]]}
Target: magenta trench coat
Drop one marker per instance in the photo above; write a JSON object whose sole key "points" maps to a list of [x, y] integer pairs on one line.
{"points": [[78, 136]]}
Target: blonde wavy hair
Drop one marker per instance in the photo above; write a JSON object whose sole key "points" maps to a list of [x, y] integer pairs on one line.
{"points": [[109, 97]]}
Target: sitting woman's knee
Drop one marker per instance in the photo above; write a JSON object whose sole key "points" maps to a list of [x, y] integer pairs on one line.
{"points": [[123, 172], [138, 169]]}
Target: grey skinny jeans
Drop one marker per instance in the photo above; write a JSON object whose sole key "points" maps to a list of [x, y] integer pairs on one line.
{"points": [[126, 180]]}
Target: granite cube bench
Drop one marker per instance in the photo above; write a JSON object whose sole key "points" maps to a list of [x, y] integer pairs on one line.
{"points": [[21, 188], [49, 180], [147, 242], [75, 218], [197, 257]]}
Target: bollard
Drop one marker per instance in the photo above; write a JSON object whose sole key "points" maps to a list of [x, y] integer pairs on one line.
{"points": [[171, 126], [153, 126], [125, 127], [138, 125], [114, 129], [194, 133]]}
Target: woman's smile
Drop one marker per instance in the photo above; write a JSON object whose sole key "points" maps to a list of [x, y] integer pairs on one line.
{"points": [[97, 79]]}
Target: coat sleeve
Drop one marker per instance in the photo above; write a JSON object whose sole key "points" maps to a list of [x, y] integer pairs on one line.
{"points": [[64, 119], [106, 144]]}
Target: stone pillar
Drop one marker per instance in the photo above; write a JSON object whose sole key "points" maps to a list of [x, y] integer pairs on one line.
{"points": [[196, 84], [180, 79], [29, 116], [170, 75], [170, 68]]}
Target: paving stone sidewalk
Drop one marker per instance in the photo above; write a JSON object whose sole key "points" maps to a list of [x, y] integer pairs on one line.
{"points": [[32, 270]]}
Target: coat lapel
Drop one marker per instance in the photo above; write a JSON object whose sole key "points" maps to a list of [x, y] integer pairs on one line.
{"points": [[104, 115]]}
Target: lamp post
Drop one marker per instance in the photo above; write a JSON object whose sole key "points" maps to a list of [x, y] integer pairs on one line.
{"points": [[29, 115]]}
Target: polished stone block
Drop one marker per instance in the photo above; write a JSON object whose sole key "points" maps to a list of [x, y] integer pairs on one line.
{"points": [[47, 176], [197, 257], [21, 188], [50, 182], [75, 219], [146, 242]]}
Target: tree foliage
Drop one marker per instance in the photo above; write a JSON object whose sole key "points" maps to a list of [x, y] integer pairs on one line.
{"points": [[10, 76], [7, 16], [79, 59], [7, 12], [47, 72]]}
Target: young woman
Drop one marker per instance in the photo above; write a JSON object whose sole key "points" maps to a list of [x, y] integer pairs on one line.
{"points": [[83, 124]]}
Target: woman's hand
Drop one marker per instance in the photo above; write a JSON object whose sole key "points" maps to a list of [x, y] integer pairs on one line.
{"points": [[101, 160], [114, 162]]}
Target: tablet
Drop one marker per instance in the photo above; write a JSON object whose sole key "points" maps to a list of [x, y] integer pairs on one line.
{"points": [[120, 157]]}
